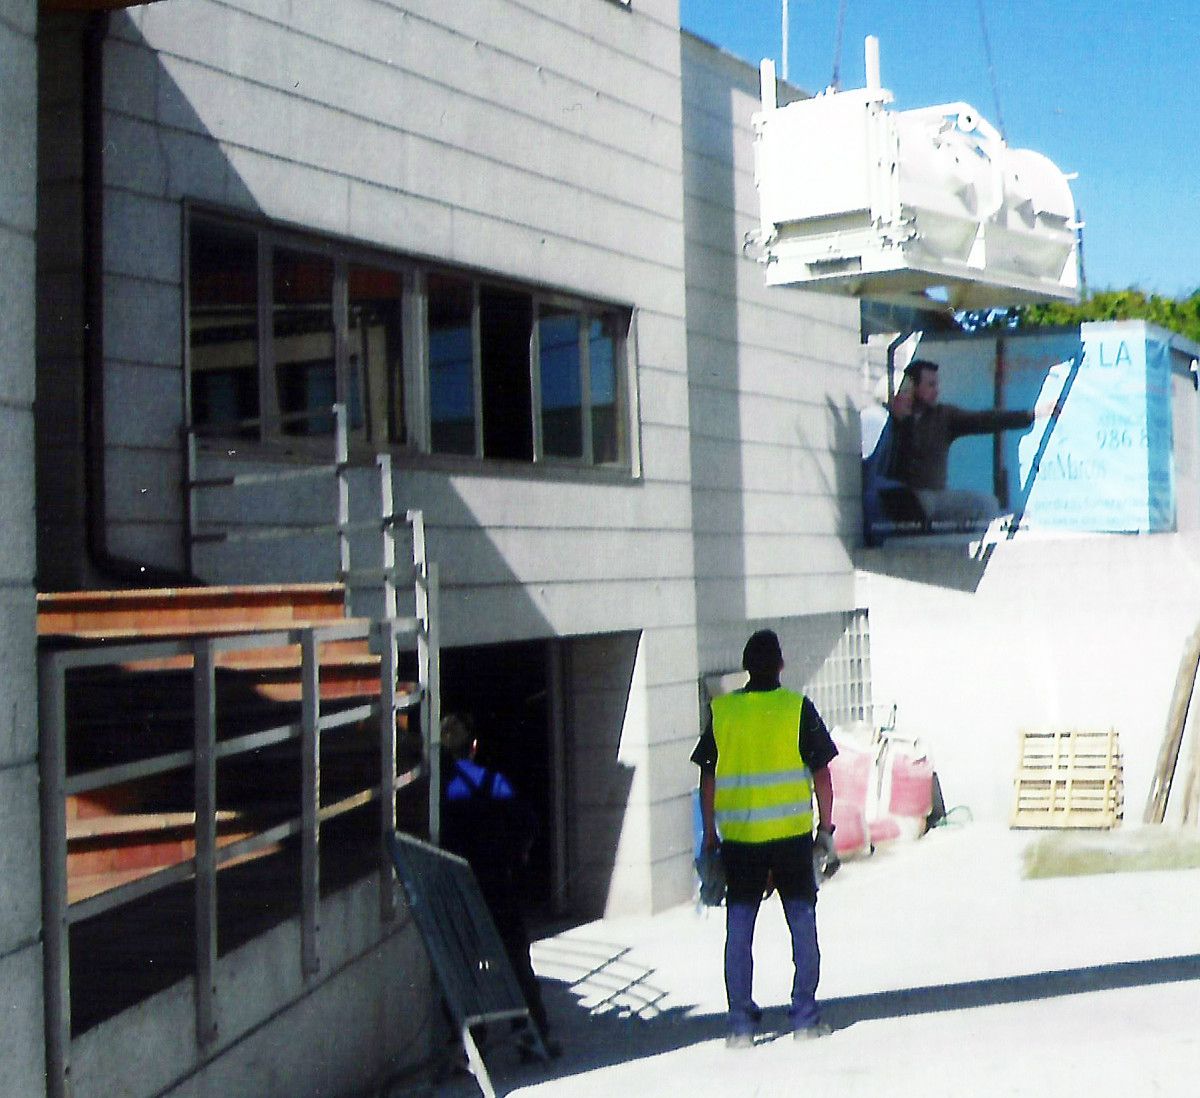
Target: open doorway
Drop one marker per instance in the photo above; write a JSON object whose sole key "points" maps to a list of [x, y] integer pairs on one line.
{"points": [[511, 691]]}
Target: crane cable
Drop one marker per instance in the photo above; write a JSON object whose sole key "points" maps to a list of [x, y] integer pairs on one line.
{"points": [[991, 68], [835, 81]]}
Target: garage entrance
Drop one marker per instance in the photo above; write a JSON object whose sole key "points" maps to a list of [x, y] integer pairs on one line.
{"points": [[512, 691]]}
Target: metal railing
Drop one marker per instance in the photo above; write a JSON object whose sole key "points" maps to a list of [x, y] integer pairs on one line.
{"points": [[386, 578], [388, 633], [202, 757]]}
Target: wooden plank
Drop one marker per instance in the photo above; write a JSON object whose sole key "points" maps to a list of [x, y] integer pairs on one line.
{"points": [[132, 823], [121, 629], [1168, 755], [187, 609]]}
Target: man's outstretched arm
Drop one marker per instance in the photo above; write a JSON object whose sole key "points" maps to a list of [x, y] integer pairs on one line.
{"points": [[988, 420]]}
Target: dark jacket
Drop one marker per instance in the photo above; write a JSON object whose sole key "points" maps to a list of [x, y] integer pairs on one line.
{"points": [[922, 440]]}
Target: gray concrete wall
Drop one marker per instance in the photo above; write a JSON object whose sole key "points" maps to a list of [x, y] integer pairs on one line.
{"points": [[539, 142], [22, 1057], [628, 740], [1056, 633], [367, 1016], [560, 144], [773, 377]]}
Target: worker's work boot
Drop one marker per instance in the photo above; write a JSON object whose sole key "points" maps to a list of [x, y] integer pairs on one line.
{"points": [[809, 1033]]}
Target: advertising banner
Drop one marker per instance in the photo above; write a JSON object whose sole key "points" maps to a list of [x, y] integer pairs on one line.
{"points": [[1047, 431]]}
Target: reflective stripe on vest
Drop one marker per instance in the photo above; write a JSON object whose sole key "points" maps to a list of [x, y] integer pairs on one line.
{"points": [[763, 788]]}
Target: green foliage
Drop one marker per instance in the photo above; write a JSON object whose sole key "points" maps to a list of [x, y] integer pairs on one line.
{"points": [[1180, 315]]}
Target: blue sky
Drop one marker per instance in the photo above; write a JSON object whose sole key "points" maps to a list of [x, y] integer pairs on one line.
{"points": [[1103, 89]]}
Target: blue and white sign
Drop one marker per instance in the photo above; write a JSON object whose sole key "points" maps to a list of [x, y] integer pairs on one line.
{"points": [[1104, 464]]}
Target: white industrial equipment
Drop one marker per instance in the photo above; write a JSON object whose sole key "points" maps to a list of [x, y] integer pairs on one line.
{"points": [[860, 200]]}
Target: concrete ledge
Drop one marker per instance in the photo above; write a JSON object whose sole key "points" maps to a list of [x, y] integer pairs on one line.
{"points": [[1076, 854], [366, 1016]]}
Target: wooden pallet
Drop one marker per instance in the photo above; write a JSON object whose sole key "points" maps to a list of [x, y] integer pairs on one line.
{"points": [[1068, 780]]}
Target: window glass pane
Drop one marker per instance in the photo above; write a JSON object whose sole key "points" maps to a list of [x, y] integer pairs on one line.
{"points": [[505, 328], [451, 365], [375, 349], [603, 351], [303, 331], [561, 368], [223, 327]]}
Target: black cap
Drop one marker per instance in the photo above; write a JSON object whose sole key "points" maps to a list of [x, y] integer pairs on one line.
{"points": [[762, 655]]}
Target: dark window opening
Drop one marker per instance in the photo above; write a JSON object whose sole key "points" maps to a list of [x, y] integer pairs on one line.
{"points": [[428, 358], [505, 327], [451, 364], [223, 328]]}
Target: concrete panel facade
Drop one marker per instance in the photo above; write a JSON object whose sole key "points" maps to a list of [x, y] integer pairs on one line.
{"points": [[541, 145], [550, 153], [22, 1059], [577, 146], [772, 380], [60, 304]]}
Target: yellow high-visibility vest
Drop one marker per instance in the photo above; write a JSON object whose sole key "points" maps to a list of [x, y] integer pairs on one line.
{"points": [[763, 790]]}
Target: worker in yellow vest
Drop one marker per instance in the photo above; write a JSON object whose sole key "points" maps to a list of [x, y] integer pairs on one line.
{"points": [[762, 759]]}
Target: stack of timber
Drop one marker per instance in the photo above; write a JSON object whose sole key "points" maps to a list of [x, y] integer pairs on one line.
{"points": [[1069, 779], [118, 714]]}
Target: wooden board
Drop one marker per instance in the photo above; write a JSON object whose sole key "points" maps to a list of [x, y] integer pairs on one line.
{"points": [[1068, 779]]}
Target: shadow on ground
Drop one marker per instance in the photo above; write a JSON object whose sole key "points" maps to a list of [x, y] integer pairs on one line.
{"points": [[612, 1013], [1010, 989]]}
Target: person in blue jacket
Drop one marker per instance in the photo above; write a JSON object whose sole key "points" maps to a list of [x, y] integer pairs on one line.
{"points": [[486, 823]]}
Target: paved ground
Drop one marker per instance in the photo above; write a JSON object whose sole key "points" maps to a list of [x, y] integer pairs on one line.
{"points": [[944, 973]]}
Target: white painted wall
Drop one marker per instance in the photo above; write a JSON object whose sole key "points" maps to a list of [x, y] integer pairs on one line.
{"points": [[1057, 633]]}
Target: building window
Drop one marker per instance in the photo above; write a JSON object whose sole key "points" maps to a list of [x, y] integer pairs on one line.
{"points": [[223, 318], [375, 373], [505, 327], [450, 308], [560, 374], [423, 357], [303, 342], [605, 341]]}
